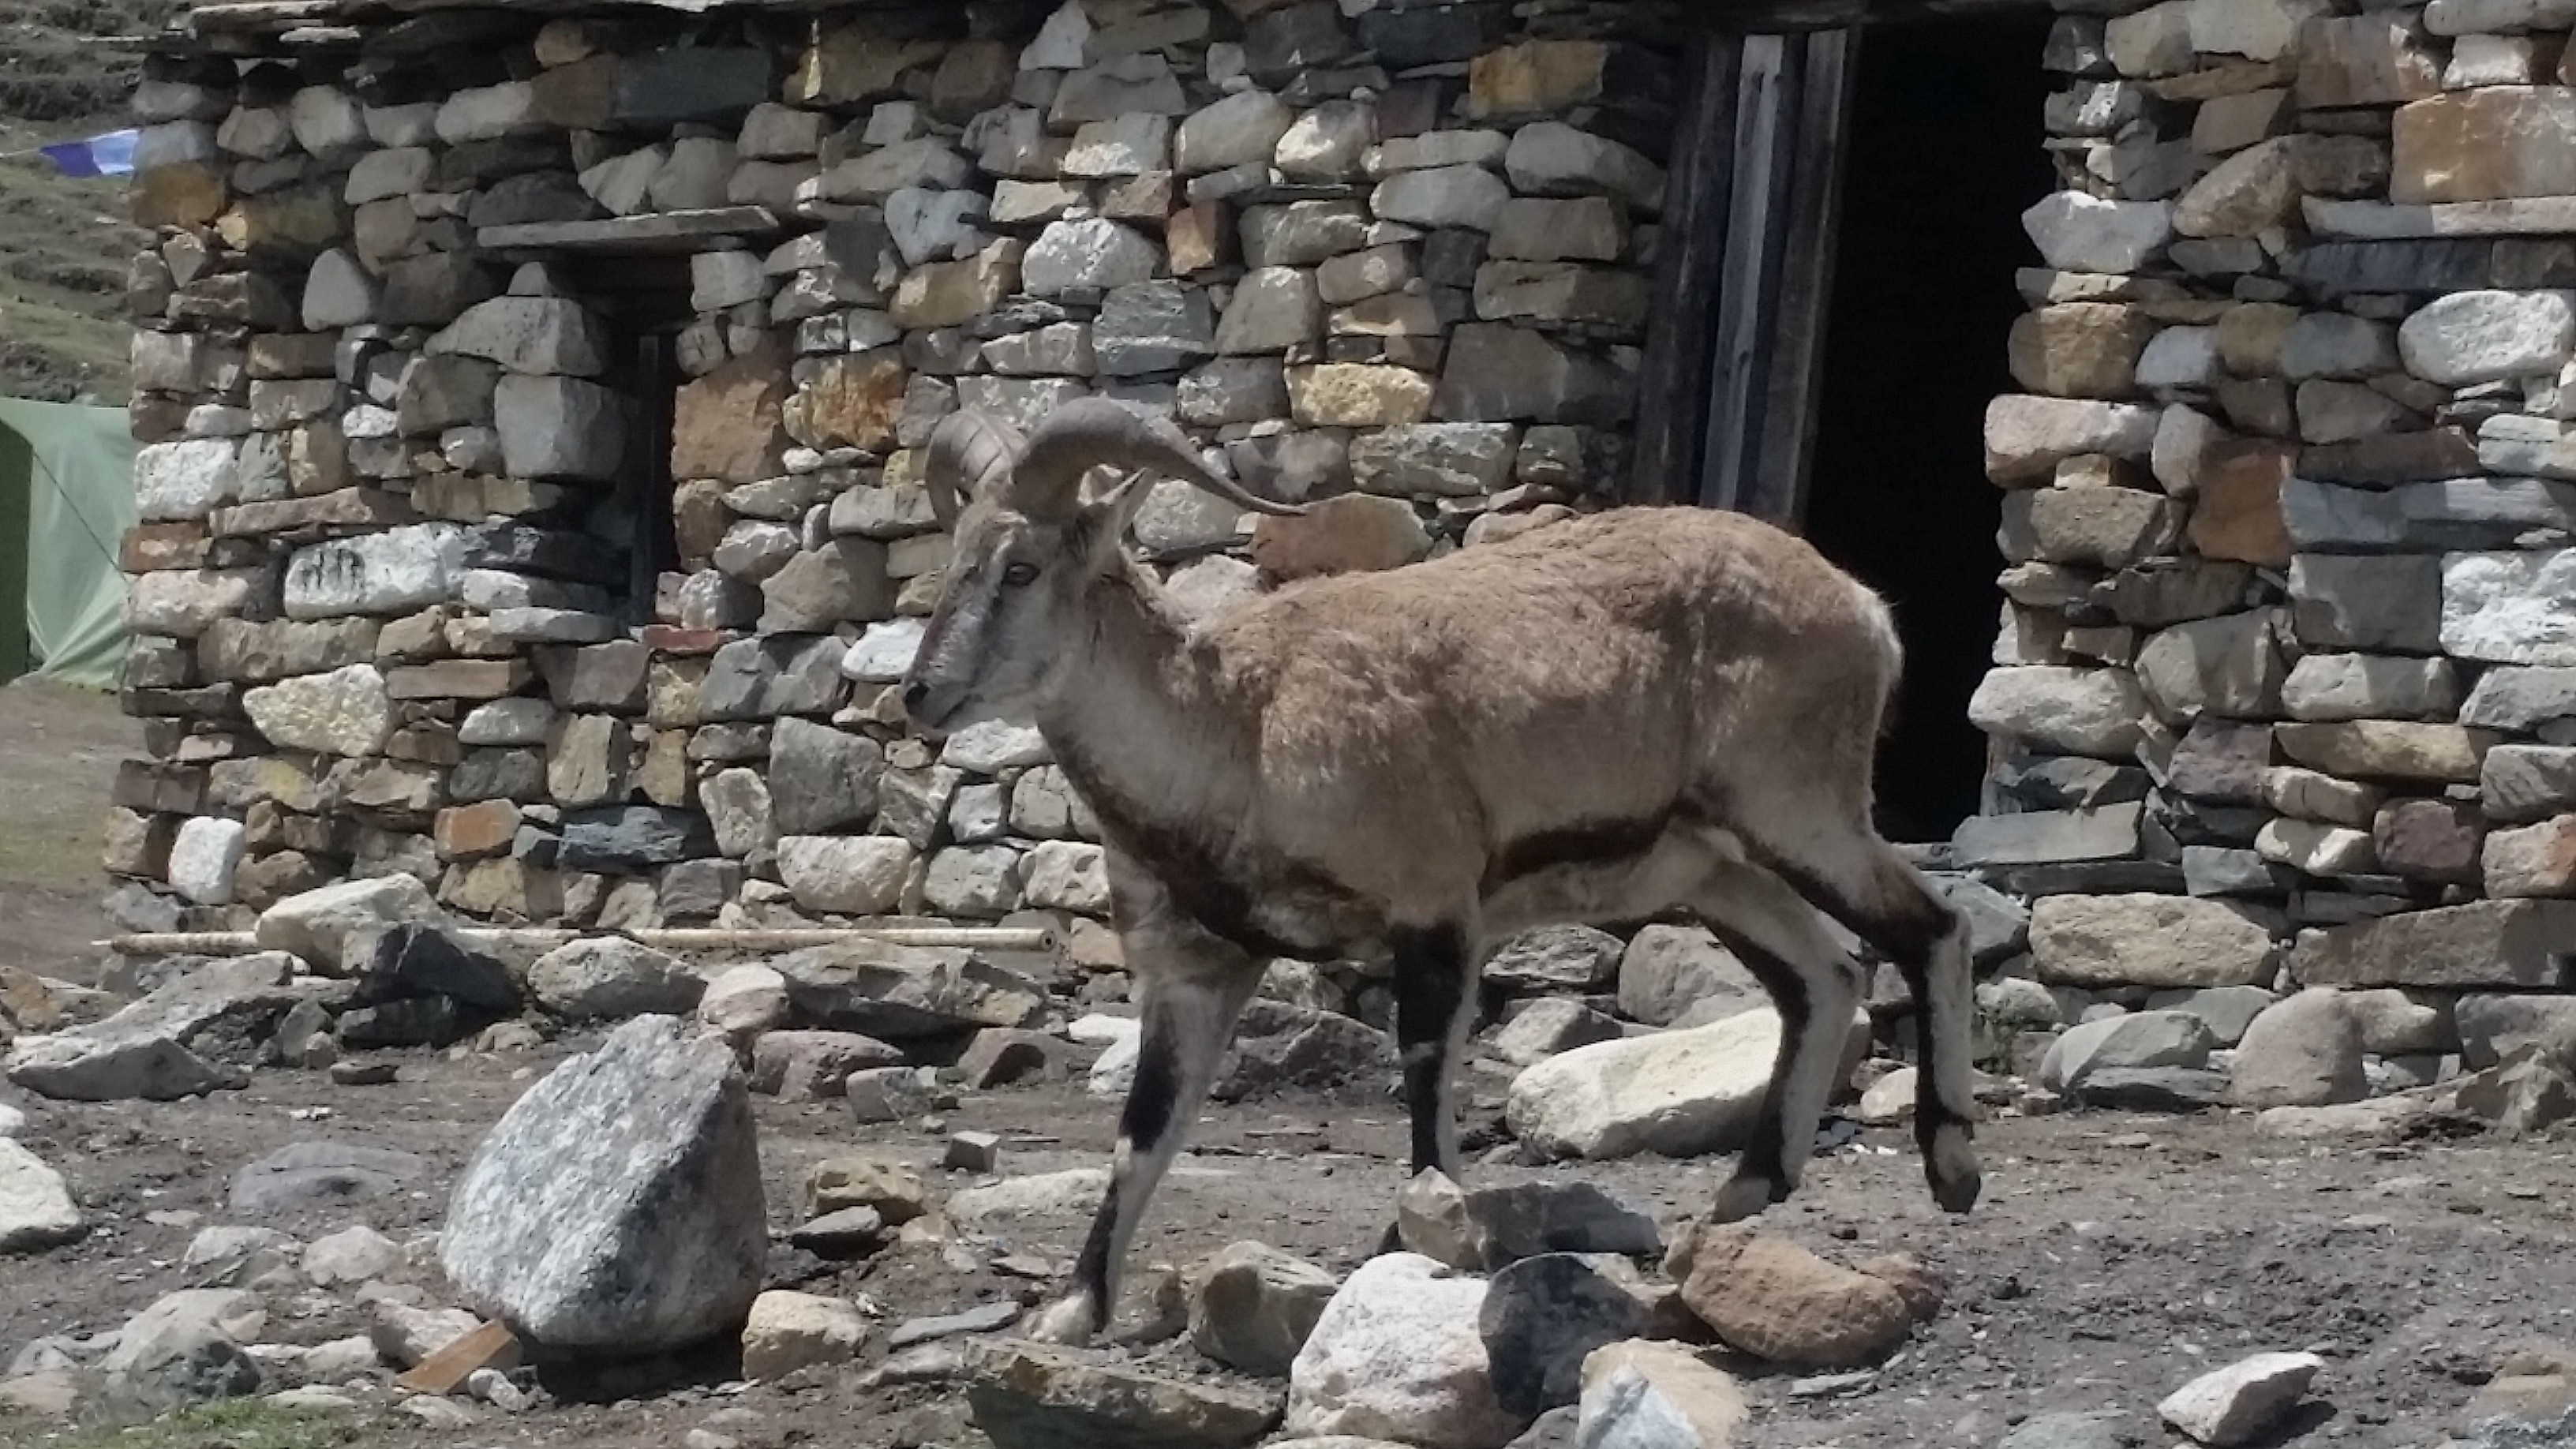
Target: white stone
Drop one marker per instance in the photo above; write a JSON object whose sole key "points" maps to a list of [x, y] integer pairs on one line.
{"points": [[1114, 1071], [2510, 608], [204, 857], [2097, 712], [344, 712], [1242, 129], [613, 978], [1067, 875], [1647, 1395], [788, 1331], [2133, 1041], [1397, 1356], [718, 280], [744, 1001], [1273, 309], [1087, 254], [339, 292], [624, 184], [2236, 1404], [855, 875], [559, 427], [330, 926], [395, 572], [488, 113], [1062, 42], [1551, 158], [36, 1207], [529, 334], [508, 722], [936, 226], [2469, 337], [327, 122], [1677, 1093], [2477, 17], [1130, 145], [2079, 233], [989, 747], [1328, 143], [884, 651], [1445, 196], [184, 480], [352, 1255], [414, 125]]}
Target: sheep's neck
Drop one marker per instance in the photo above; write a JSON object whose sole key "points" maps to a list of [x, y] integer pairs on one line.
{"points": [[1141, 711]]}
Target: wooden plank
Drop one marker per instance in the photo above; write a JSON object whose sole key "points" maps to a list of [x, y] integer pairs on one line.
{"points": [[1672, 394], [1802, 300], [1765, 95], [668, 231]]}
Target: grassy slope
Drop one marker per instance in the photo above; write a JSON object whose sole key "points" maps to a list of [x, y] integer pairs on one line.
{"points": [[63, 243]]}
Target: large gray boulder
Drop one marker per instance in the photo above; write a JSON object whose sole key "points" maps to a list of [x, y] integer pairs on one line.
{"points": [[616, 1209]]}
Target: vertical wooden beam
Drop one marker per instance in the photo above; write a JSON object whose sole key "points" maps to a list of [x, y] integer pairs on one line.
{"points": [[1802, 300], [1765, 106], [1776, 280], [1672, 392]]}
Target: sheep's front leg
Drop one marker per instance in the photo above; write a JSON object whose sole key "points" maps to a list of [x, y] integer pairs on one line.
{"points": [[1434, 1007], [1192, 987]]}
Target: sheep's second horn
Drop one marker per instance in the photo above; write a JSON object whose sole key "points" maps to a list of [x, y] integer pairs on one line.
{"points": [[1088, 432], [969, 452]]}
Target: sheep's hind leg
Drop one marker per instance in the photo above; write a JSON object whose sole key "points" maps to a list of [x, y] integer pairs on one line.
{"points": [[1815, 985], [1862, 882], [1188, 1014]]}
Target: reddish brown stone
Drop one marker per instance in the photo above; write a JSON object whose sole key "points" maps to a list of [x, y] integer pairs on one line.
{"points": [[729, 425], [2535, 860], [472, 832], [674, 640], [156, 547], [2430, 840], [851, 401], [458, 679], [2238, 514]]}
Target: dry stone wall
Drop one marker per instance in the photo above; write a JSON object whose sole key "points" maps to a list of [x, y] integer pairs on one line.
{"points": [[1391, 255], [2286, 685]]}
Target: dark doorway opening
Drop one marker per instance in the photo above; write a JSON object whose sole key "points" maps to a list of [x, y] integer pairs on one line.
{"points": [[1945, 153]]}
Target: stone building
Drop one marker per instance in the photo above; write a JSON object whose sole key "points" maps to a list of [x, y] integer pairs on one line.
{"points": [[533, 395]]}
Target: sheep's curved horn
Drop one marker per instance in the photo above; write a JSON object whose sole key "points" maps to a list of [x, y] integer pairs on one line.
{"points": [[1088, 432], [969, 454]]}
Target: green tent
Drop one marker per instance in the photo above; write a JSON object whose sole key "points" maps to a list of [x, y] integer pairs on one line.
{"points": [[66, 499]]}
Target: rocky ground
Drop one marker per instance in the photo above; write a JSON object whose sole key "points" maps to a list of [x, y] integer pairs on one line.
{"points": [[2415, 1251], [2114, 1259]]}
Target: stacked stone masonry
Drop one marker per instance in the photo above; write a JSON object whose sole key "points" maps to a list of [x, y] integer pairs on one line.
{"points": [[2285, 692], [1392, 255]]}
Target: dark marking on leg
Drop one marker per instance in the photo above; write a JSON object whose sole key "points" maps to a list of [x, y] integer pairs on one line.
{"points": [[1765, 1154], [1430, 992], [1590, 843]]}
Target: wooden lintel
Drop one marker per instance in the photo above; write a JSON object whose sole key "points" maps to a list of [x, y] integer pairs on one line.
{"points": [[655, 234]]}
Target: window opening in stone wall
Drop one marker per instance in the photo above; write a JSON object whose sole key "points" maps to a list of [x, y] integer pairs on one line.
{"points": [[1945, 152], [646, 311]]}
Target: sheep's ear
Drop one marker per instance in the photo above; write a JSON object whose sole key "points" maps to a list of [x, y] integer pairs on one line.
{"points": [[1111, 508]]}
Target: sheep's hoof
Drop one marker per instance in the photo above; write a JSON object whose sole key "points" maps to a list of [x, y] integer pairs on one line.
{"points": [[1951, 1167], [1744, 1197], [1070, 1321]]}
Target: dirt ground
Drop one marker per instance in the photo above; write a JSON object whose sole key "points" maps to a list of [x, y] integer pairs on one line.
{"points": [[58, 754], [2112, 1259]]}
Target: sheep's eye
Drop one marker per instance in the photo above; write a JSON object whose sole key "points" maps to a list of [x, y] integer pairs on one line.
{"points": [[1020, 575]]}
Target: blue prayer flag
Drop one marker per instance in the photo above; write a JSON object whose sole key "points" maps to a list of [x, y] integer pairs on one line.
{"points": [[108, 155]]}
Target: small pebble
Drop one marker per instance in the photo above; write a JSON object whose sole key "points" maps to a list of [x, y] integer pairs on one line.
{"points": [[364, 1074]]}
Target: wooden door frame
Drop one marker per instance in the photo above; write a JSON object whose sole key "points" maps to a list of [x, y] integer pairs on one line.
{"points": [[1727, 404]]}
